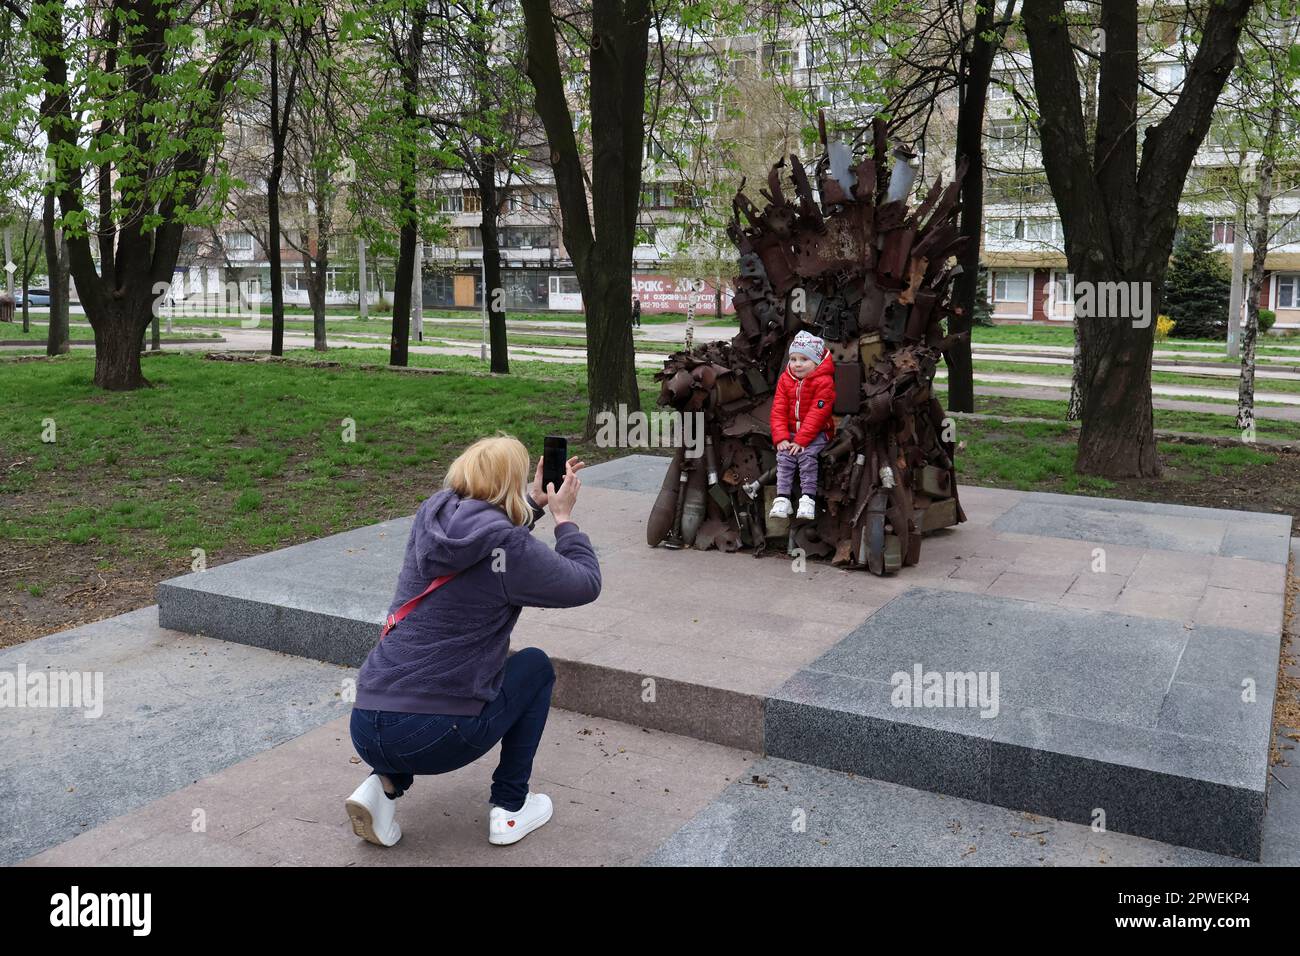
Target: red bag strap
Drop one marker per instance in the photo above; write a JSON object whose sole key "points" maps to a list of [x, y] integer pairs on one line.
{"points": [[392, 620]]}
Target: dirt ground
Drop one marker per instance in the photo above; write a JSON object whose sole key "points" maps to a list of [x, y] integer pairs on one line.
{"points": [[1273, 488]]}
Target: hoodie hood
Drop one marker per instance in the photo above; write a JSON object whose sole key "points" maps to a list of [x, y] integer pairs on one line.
{"points": [[453, 533]]}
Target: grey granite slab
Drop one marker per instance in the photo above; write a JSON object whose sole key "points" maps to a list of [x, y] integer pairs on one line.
{"points": [[1141, 707], [791, 814], [1044, 656], [1092, 710], [642, 474], [175, 708], [1246, 534]]}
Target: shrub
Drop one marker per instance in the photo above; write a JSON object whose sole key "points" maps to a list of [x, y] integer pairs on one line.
{"points": [[1266, 319], [1164, 326], [1198, 283]]}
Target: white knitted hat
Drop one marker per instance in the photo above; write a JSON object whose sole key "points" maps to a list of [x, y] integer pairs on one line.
{"points": [[805, 343]]}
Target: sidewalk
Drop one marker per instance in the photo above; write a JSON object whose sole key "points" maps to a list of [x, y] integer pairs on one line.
{"points": [[619, 792]]}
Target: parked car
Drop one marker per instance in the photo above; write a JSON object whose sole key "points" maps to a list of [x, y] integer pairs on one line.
{"points": [[36, 297]]}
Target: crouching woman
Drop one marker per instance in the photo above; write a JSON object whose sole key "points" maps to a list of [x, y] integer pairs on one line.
{"points": [[438, 691]]}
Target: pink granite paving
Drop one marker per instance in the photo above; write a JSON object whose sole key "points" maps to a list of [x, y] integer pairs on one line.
{"points": [[619, 792]]}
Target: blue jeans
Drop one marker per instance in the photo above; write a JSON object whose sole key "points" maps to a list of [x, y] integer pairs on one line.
{"points": [[401, 745]]}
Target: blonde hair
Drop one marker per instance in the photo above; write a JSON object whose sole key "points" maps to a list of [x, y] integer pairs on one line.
{"points": [[494, 470]]}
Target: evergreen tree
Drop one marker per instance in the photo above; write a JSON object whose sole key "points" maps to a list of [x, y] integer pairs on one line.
{"points": [[983, 314], [1198, 284]]}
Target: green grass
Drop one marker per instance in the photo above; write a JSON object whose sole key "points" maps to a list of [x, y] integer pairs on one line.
{"points": [[1041, 457], [237, 457], [1192, 423]]}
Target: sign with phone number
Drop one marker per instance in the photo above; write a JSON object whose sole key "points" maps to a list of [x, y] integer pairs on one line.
{"points": [[667, 294]]}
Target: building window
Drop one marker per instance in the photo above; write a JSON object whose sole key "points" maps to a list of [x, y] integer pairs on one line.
{"points": [[239, 242], [1007, 135], [1285, 230], [471, 201], [1011, 287], [1224, 231], [517, 237], [1043, 230], [1004, 229], [1288, 292], [451, 202], [1061, 291], [1169, 77]]}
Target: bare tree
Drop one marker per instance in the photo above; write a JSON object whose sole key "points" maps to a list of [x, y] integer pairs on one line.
{"points": [[1119, 216], [614, 38]]}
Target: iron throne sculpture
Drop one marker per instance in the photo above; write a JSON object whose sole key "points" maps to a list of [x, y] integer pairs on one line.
{"points": [[869, 275]]}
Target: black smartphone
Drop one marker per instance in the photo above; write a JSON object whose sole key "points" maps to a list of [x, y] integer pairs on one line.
{"points": [[555, 455]]}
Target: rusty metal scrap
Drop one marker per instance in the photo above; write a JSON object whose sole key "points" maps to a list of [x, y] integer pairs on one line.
{"points": [[870, 276]]}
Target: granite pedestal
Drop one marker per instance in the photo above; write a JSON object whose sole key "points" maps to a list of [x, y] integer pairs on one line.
{"points": [[1135, 648]]}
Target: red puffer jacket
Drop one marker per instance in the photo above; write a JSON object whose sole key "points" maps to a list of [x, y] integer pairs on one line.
{"points": [[802, 408]]}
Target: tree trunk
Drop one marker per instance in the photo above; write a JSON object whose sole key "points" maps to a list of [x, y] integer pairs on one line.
{"points": [[611, 371], [1116, 438], [277, 265], [56, 339], [398, 351], [409, 230], [318, 313], [1119, 219], [273, 208], [1074, 407], [118, 331], [492, 288], [600, 241], [316, 282], [1259, 253], [970, 146], [58, 342]]}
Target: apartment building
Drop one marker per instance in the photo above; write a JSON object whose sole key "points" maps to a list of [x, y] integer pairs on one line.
{"points": [[1023, 253], [1022, 249]]}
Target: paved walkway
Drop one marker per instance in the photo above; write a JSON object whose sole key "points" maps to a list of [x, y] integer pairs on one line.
{"points": [[1270, 412], [211, 752], [1061, 383]]}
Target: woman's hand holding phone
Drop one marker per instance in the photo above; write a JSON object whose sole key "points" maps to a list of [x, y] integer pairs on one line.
{"points": [[538, 493], [563, 499]]}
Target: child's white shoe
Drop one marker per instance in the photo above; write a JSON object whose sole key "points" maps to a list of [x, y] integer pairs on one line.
{"points": [[505, 827], [807, 508], [373, 815], [780, 507]]}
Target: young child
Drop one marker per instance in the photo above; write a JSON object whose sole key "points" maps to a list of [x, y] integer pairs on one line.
{"points": [[802, 422]]}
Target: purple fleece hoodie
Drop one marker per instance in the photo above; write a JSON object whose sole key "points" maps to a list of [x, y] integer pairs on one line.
{"points": [[448, 655]]}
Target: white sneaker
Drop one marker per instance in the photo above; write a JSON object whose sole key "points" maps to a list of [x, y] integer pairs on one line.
{"points": [[373, 815], [807, 508], [780, 507], [505, 827]]}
